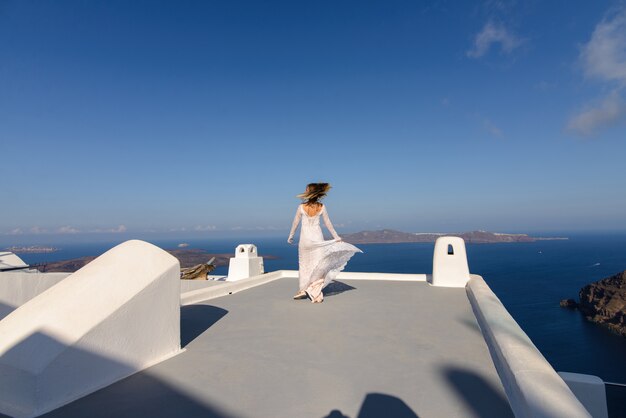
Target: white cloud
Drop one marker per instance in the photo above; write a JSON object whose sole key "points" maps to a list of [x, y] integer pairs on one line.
{"points": [[492, 128], [68, 230], [119, 229], [604, 56], [491, 34], [610, 111], [204, 228], [499, 5]]}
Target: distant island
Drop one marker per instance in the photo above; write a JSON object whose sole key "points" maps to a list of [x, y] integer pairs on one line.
{"points": [[390, 236], [186, 257], [32, 249]]}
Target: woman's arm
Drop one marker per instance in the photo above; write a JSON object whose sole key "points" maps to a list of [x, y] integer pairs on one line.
{"points": [[294, 226], [329, 225]]}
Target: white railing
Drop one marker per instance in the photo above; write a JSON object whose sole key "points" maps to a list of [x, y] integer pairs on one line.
{"points": [[18, 287], [533, 387]]}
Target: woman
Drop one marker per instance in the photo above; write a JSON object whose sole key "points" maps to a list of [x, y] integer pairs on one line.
{"points": [[319, 261]]}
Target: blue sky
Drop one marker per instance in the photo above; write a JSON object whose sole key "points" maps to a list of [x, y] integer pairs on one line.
{"points": [[199, 117]]}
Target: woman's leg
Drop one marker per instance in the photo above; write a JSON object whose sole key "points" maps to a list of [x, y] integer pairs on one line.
{"points": [[303, 273], [314, 290]]}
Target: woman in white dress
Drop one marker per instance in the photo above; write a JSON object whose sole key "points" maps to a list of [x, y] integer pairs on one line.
{"points": [[319, 261]]}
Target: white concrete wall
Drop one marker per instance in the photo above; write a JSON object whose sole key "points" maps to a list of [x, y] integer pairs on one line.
{"points": [[18, 287], [189, 285], [532, 386], [9, 260], [117, 315], [228, 288], [212, 290], [397, 277], [450, 269], [246, 263], [590, 391]]}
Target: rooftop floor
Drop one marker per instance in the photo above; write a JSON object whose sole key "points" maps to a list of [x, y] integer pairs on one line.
{"points": [[405, 348]]}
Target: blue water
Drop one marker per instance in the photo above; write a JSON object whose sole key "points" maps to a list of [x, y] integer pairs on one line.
{"points": [[529, 278]]}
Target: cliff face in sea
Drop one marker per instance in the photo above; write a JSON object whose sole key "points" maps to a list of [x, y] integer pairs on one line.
{"points": [[604, 302]]}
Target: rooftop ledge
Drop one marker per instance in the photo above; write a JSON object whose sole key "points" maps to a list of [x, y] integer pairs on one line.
{"points": [[381, 344]]}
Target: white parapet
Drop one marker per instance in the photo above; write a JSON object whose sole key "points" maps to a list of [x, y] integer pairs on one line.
{"points": [[246, 263], [117, 315], [589, 390], [10, 261], [533, 387], [450, 268], [18, 287]]}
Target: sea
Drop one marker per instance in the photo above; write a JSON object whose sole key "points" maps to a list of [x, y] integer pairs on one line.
{"points": [[529, 278]]}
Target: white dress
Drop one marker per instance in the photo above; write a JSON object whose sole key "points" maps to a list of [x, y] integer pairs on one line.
{"points": [[319, 261]]}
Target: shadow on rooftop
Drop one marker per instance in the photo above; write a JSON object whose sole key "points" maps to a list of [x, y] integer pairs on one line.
{"points": [[335, 413], [5, 309], [380, 405], [141, 394], [471, 324], [336, 288], [478, 394], [195, 319], [376, 405]]}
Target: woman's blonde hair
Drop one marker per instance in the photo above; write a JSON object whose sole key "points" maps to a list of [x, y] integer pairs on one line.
{"points": [[315, 192]]}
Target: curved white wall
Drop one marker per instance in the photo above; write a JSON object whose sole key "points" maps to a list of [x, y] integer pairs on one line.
{"points": [[115, 316], [18, 287], [450, 268], [9, 260], [533, 387]]}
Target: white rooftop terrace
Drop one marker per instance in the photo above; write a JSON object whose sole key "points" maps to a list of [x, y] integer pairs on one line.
{"points": [[371, 346], [402, 345]]}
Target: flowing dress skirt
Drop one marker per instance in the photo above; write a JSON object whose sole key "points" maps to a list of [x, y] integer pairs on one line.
{"points": [[320, 262]]}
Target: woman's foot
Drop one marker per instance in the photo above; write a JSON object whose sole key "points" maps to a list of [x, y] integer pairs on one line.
{"points": [[318, 299], [300, 295]]}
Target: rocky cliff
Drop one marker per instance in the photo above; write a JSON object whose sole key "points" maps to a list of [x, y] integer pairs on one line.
{"points": [[604, 302]]}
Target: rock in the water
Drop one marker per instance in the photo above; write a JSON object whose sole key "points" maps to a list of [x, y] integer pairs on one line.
{"points": [[568, 303], [604, 302]]}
